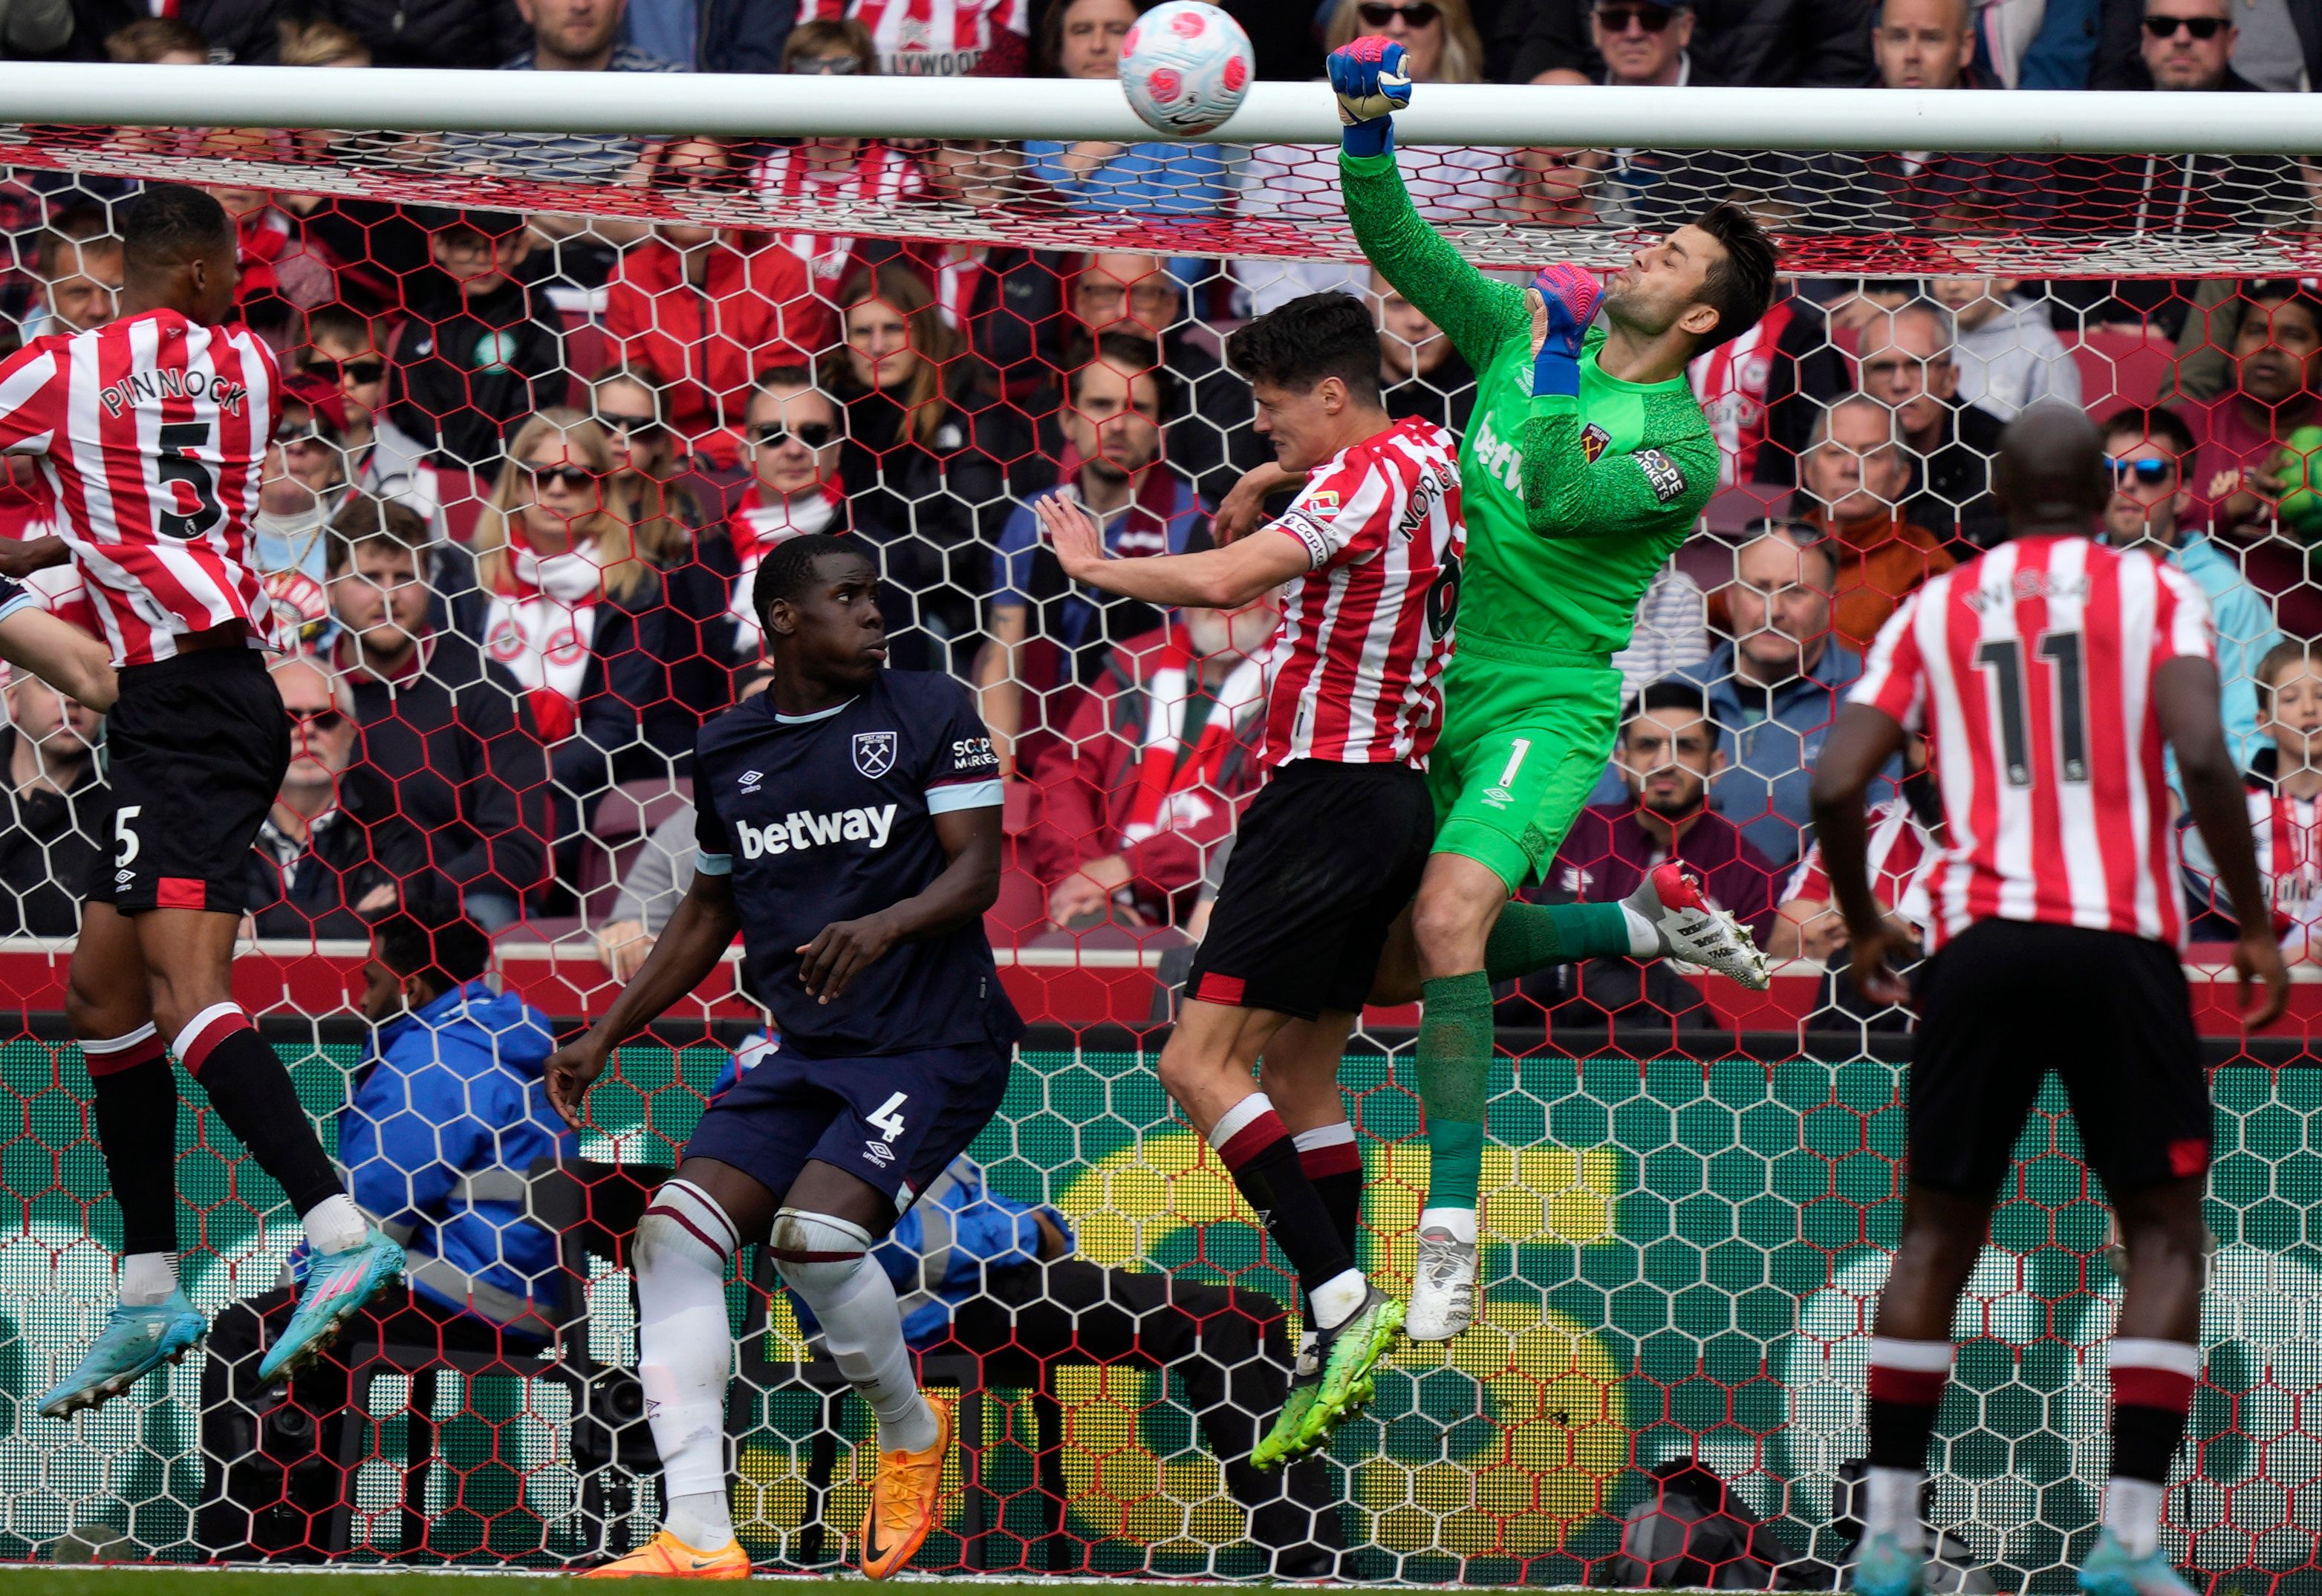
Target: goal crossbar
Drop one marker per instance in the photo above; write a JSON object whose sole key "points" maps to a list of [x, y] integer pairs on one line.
{"points": [[2026, 122]]}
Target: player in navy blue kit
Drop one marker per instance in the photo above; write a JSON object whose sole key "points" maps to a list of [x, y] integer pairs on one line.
{"points": [[850, 832]]}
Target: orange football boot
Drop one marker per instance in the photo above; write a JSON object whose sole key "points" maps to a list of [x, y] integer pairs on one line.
{"points": [[903, 1499], [666, 1557]]}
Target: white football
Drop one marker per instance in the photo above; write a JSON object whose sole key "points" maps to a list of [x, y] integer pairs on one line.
{"points": [[1185, 67]]}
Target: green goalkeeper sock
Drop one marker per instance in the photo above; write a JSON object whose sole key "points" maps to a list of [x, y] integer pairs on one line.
{"points": [[1454, 1066], [1530, 936]]}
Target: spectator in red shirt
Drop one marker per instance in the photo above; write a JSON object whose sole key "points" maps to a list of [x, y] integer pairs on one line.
{"points": [[1152, 770], [702, 310], [1667, 751]]}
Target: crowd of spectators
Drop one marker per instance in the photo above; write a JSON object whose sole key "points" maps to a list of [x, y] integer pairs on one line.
{"points": [[527, 464]]}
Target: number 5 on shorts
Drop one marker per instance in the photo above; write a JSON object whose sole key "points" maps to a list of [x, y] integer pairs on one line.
{"points": [[886, 1120], [124, 841]]}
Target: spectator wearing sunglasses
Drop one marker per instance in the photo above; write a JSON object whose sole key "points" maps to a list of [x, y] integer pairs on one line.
{"points": [[1759, 43], [2185, 45], [1645, 44], [332, 852], [1298, 184], [702, 310], [652, 489], [576, 615], [797, 443], [2148, 451], [347, 352], [2197, 44], [1081, 39]]}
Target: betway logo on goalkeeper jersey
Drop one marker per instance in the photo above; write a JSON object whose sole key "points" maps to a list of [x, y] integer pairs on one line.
{"points": [[802, 829], [1502, 457]]}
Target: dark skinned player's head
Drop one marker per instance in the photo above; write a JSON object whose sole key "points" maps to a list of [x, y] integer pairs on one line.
{"points": [[818, 597], [2051, 475], [178, 252]]}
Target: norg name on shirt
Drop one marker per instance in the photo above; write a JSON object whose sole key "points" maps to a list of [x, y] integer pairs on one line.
{"points": [[803, 829]]}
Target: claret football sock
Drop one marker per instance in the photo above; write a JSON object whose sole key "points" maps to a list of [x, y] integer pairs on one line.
{"points": [[2152, 1394], [1264, 1161], [1333, 1165]]}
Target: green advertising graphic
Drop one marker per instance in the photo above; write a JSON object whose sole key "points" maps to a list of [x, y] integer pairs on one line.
{"points": [[1681, 1260]]}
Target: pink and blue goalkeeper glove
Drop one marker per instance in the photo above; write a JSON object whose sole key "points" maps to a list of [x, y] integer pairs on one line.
{"points": [[1572, 294], [1372, 83]]}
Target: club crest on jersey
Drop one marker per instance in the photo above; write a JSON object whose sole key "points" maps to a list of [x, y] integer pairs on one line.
{"points": [[1594, 441], [874, 752], [152, 386]]}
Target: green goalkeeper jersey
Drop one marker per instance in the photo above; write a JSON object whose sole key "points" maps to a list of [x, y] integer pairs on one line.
{"points": [[1571, 508]]}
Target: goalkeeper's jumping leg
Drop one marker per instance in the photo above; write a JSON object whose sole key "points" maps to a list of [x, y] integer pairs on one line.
{"points": [[1462, 937]]}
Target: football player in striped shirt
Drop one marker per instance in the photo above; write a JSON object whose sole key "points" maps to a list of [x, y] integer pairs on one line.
{"points": [[1331, 850], [150, 431], [2050, 676]]}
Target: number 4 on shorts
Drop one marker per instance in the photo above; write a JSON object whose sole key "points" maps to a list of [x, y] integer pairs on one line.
{"points": [[886, 1120]]}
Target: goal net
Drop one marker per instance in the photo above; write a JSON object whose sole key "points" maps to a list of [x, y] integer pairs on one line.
{"points": [[672, 351]]}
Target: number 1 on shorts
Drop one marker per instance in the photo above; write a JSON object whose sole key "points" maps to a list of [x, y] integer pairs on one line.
{"points": [[889, 1123]]}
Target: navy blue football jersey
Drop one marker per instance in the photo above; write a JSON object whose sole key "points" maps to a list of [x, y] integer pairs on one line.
{"points": [[831, 817]]}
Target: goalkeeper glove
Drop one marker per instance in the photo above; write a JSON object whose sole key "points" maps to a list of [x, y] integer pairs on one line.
{"points": [[1569, 295], [1372, 85]]}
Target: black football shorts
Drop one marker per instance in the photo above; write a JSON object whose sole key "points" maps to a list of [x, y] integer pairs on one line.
{"points": [[2004, 1002], [195, 751], [1325, 857]]}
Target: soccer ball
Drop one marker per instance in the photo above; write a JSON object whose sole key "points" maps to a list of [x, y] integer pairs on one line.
{"points": [[1185, 67]]}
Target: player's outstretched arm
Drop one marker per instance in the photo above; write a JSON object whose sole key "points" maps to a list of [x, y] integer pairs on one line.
{"points": [[1212, 579], [57, 651], [1859, 747], [1476, 313], [2185, 696], [696, 938], [969, 885]]}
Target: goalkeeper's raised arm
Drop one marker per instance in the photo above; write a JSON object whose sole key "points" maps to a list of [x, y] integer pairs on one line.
{"points": [[1479, 315]]}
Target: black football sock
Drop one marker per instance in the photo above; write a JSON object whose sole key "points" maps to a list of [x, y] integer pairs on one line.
{"points": [[1257, 1149], [252, 1091], [135, 1098], [1333, 1166]]}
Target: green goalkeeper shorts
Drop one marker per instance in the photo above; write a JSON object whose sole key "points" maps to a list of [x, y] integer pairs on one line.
{"points": [[1527, 734]]}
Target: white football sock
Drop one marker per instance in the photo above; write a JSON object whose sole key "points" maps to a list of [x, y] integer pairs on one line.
{"points": [[335, 1224], [1459, 1222], [1335, 1301], [1891, 1507], [2132, 1511], [147, 1279], [685, 1355], [826, 1262]]}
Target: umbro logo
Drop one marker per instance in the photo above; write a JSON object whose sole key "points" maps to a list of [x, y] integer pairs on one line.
{"points": [[751, 778], [879, 1153]]}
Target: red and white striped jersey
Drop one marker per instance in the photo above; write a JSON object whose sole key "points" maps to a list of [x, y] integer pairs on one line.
{"points": [[2031, 670], [2288, 833], [1358, 657], [794, 179], [150, 431], [1901, 849], [927, 38]]}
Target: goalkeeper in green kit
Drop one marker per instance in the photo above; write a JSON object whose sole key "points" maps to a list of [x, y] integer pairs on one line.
{"points": [[1586, 464]]}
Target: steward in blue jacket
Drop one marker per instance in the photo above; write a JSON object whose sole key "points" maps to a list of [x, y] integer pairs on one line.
{"points": [[445, 1124]]}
